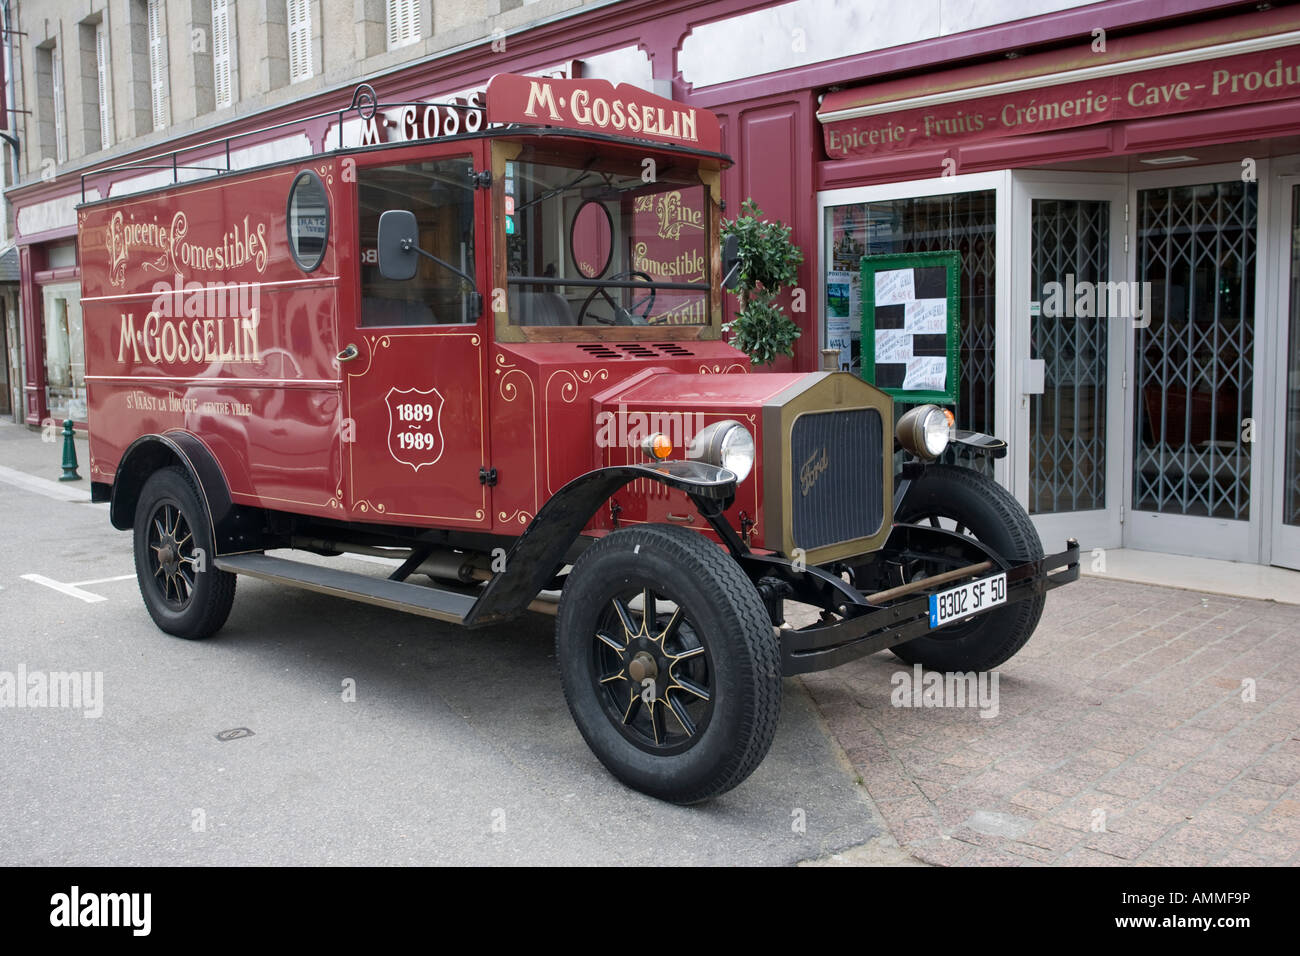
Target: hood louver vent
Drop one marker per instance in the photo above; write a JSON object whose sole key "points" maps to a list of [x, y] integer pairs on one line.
{"points": [[635, 350]]}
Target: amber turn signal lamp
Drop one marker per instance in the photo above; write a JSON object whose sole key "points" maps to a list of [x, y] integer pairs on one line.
{"points": [[657, 446]]}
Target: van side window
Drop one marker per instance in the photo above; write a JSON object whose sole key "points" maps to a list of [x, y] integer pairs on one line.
{"points": [[308, 220], [441, 194]]}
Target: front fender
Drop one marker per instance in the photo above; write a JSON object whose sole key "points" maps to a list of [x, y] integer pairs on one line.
{"points": [[540, 550]]}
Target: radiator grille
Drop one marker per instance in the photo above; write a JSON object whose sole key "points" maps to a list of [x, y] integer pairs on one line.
{"points": [[836, 487]]}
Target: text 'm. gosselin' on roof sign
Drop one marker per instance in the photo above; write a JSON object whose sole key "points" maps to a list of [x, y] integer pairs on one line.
{"points": [[598, 106]]}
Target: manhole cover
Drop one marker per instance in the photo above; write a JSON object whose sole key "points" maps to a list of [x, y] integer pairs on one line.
{"points": [[234, 733]]}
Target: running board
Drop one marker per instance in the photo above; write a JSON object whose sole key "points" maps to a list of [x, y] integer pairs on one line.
{"points": [[432, 602]]}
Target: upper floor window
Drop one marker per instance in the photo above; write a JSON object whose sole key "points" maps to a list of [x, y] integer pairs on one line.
{"points": [[403, 22], [300, 66], [223, 53], [103, 92], [158, 86], [60, 106]]}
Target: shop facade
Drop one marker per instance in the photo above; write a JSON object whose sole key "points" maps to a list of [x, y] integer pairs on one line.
{"points": [[1127, 225], [1167, 420]]}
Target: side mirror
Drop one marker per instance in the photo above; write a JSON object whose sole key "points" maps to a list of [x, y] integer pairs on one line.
{"points": [[399, 236], [730, 261]]}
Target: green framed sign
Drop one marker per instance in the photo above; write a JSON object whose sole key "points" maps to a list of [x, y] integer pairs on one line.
{"points": [[911, 325]]}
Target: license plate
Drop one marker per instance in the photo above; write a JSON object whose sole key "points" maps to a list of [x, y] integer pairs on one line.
{"points": [[974, 597]]}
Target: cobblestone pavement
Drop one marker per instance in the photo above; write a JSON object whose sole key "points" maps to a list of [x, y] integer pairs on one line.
{"points": [[1139, 726]]}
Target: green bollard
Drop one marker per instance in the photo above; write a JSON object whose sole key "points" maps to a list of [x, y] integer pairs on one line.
{"points": [[69, 454]]}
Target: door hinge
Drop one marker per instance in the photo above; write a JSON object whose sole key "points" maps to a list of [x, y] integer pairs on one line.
{"points": [[487, 476], [1123, 379], [1126, 243], [481, 179], [1126, 212], [1121, 514]]}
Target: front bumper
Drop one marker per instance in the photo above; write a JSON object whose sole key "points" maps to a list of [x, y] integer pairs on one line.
{"points": [[867, 628]]}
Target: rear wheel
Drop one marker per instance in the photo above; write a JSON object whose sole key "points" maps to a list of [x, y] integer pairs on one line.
{"points": [[970, 503], [669, 663], [183, 592]]}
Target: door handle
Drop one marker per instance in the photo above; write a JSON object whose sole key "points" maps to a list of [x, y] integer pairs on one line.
{"points": [[348, 354]]}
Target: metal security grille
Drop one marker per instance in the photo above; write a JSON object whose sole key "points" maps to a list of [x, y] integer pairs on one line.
{"points": [[1291, 490], [1067, 431], [837, 489], [967, 223], [1193, 370]]}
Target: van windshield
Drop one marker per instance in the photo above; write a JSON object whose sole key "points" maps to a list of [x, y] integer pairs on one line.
{"points": [[605, 242]]}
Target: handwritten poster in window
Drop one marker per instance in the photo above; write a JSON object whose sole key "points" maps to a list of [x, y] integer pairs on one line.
{"points": [[841, 311], [911, 325]]}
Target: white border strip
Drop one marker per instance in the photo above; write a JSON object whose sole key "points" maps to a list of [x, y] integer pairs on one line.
{"points": [[1039, 82]]}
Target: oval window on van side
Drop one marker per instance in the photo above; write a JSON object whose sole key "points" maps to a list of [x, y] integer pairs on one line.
{"points": [[308, 220]]}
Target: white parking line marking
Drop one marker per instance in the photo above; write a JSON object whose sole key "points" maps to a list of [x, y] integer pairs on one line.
{"points": [[82, 584], [43, 486], [69, 589]]}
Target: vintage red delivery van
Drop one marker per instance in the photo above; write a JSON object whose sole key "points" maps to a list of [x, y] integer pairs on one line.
{"points": [[489, 346]]}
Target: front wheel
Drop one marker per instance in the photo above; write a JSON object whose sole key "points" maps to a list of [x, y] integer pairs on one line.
{"points": [[669, 662], [967, 502]]}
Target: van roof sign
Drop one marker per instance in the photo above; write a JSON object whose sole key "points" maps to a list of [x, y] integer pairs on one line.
{"points": [[588, 106], [592, 105]]}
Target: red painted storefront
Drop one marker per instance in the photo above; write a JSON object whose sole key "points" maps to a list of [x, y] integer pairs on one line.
{"points": [[769, 122]]}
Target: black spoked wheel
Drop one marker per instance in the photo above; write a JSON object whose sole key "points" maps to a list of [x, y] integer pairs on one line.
{"points": [[184, 593], [669, 662], [652, 672], [969, 503], [171, 547]]}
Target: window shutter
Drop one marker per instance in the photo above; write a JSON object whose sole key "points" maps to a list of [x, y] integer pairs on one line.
{"points": [[101, 68], [158, 65], [403, 22], [60, 121], [300, 65], [221, 46]]}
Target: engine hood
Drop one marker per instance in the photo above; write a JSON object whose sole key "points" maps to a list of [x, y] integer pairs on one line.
{"points": [[823, 475]]}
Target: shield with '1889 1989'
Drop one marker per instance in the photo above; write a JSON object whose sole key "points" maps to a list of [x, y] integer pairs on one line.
{"points": [[415, 426]]}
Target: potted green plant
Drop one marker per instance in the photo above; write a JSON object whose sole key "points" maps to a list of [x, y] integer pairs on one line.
{"points": [[768, 262]]}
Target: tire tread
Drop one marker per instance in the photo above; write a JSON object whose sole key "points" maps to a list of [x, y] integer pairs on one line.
{"points": [[730, 587], [1020, 624]]}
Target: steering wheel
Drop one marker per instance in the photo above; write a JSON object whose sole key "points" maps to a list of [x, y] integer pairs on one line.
{"points": [[622, 316]]}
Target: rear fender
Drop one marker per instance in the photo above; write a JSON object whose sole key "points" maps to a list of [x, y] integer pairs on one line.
{"points": [[235, 528]]}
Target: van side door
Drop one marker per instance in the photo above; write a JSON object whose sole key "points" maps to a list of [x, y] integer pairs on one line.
{"points": [[414, 355]]}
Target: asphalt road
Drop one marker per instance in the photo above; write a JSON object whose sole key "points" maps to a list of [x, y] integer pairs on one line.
{"points": [[457, 749]]}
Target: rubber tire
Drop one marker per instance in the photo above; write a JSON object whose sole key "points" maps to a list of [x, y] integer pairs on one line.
{"points": [[996, 518], [214, 590], [728, 615]]}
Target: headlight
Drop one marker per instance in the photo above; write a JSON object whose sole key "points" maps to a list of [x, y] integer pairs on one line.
{"points": [[925, 430], [727, 444]]}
